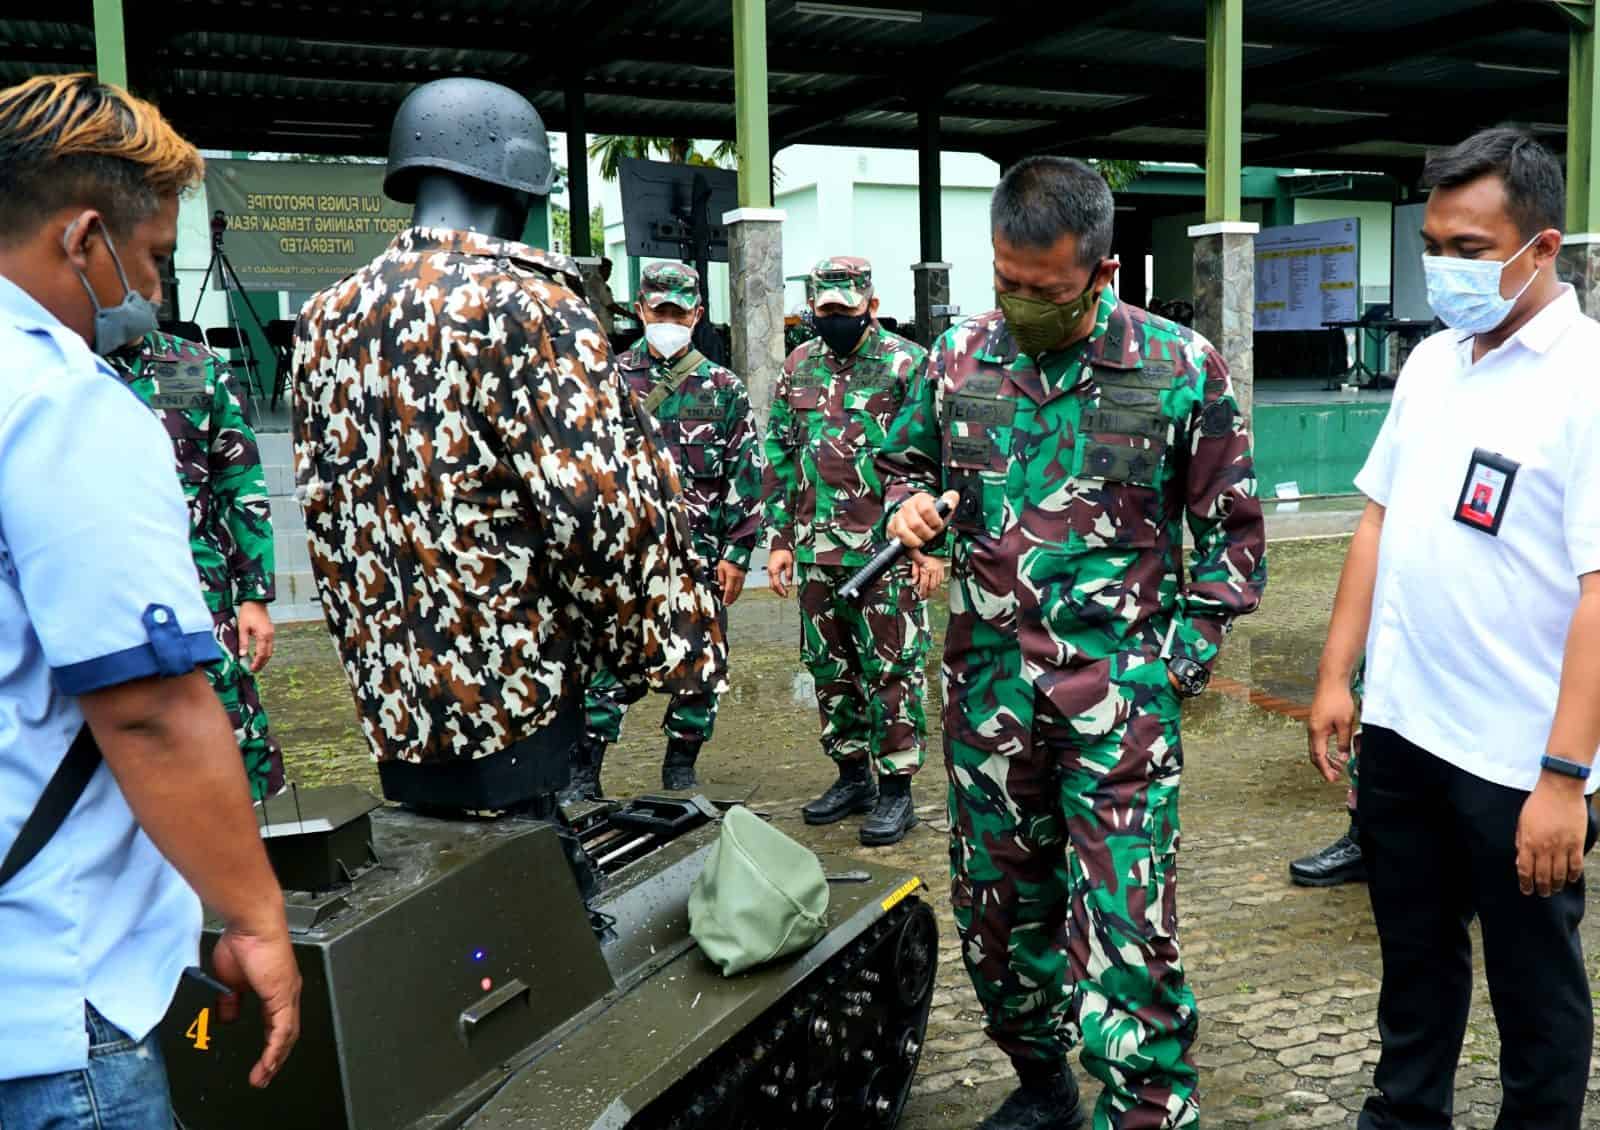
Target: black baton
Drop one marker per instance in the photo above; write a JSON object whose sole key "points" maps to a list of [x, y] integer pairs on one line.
{"points": [[881, 562]]}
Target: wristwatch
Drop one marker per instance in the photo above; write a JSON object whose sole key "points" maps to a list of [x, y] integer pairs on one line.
{"points": [[1564, 767], [1192, 676]]}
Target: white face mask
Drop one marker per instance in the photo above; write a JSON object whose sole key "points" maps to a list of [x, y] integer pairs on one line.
{"points": [[1465, 293], [667, 338]]}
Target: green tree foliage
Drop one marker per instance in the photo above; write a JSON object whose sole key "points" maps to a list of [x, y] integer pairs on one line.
{"points": [[1119, 174], [561, 229], [611, 149]]}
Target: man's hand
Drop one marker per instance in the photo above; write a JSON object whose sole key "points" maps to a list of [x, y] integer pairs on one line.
{"points": [[1550, 835], [1333, 715], [927, 573], [256, 634], [731, 578], [916, 522], [780, 570], [265, 965]]}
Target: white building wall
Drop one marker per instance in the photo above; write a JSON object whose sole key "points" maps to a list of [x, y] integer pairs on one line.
{"points": [[857, 202]]}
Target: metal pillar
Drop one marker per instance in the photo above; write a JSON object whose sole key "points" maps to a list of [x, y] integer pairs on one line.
{"points": [[755, 230], [1224, 250], [750, 102], [930, 188], [578, 175], [1224, 109], [1580, 257], [110, 48], [930, 277]]}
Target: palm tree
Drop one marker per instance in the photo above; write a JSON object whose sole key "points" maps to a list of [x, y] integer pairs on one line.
{"points": [[611, 149]]}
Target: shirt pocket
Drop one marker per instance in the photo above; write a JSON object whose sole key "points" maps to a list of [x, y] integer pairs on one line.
{"points": [[805, 402], [703, 461], [977, 449], [870, 408], [1115, 497]]}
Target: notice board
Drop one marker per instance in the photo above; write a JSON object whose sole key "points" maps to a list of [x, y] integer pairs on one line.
{"points": [[302, 225], [1308, 275]]}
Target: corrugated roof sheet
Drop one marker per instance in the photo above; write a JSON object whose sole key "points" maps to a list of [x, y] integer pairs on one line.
{"points": [[1121, 76]]}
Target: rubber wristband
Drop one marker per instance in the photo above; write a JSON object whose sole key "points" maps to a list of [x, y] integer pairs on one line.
{"points": [[1564, 767]]}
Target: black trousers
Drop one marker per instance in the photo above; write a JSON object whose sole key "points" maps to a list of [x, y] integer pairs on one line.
{"points": [[1440, 847]]}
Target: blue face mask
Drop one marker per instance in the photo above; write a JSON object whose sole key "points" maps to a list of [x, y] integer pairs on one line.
{"points": [[127, 321], [1465, 293]]}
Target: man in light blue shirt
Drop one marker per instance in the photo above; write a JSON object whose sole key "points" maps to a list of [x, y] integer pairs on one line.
{"points": [[102, 624]]}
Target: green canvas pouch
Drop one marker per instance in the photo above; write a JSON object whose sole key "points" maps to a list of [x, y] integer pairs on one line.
{"points": [[761, 896]]}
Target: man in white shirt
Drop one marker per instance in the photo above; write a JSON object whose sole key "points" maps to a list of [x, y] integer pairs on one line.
{"points": [[1473, 584], [121, 786]]}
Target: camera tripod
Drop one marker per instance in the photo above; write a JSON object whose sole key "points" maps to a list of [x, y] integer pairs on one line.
{"points": [[228, 282]]}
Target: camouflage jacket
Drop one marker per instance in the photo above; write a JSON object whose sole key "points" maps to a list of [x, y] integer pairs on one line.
{"points": [[230, 522], [485, 525], [824, 497], [711, 434], [1066, 576]]}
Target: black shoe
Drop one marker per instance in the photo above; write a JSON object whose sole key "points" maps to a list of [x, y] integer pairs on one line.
{"points": [[893, 816], [854, 791], [1049, 1104], [587, 757], [1339, 862], [677, 769]]}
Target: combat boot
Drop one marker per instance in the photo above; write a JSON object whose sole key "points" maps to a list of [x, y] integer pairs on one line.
{"points": [[587, 757], [1050, 1103], [1339, 862], [677, 768], [893, 816], [854, 791]]}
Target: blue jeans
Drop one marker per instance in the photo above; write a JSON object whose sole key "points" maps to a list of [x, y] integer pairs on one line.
{"points": [[123, 1088]]}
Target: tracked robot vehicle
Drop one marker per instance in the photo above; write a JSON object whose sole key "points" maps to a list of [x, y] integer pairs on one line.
{"points": [[455, 976]]}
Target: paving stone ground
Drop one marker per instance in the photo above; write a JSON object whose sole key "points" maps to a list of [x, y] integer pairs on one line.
{"points": [[1287, 978]]}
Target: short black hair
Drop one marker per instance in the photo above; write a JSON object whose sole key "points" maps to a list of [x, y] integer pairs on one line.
{"points": [[1041, 199], [70, 140], [1536, 191]]}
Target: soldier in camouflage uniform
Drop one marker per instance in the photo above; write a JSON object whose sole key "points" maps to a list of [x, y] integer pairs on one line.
{"points": [[703, 413], [490, 519], [230, 526], [830, 409], [1340, 862], [1074, 434]]}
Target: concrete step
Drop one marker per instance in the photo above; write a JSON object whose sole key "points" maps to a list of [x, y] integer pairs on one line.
{"points": [[276, 448], [287, 517], [290, 552], [296, 586], [296, 613]]}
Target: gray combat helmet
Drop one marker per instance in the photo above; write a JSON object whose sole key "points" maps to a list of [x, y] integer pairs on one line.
{"points": [[468, 126]]}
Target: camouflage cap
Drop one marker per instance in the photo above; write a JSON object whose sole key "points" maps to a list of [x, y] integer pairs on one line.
{"points": [[675, 283], [845, 279]]}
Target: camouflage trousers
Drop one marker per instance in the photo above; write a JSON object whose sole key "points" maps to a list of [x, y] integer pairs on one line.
{"points": [[605, 702], [869, 665], [236, 687], [1064, 885]]}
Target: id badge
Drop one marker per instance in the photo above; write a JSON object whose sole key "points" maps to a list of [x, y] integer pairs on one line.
{"points": [[1483, 499]]}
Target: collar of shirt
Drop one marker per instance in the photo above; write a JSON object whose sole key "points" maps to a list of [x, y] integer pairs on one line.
{"points": [[23, 309], [870, 349], [423, 241], [1108, 344], [1541, 332]]}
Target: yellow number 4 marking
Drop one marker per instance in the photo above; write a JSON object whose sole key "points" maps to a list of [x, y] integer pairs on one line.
{"points": [[200, 1031]]}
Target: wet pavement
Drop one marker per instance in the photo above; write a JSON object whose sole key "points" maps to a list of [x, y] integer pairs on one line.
{"points": [[1287, 978]]}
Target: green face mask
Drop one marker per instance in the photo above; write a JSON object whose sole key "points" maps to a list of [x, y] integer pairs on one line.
{"points": [[1038, 325]]}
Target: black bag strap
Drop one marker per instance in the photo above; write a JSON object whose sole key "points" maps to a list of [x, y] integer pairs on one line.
{"points": [[66, 786]]}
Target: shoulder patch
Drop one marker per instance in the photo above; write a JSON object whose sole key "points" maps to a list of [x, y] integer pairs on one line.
{"points": [[1217, 419]]}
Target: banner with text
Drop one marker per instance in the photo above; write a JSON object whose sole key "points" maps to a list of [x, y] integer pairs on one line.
{"points": [[295, 225]]}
